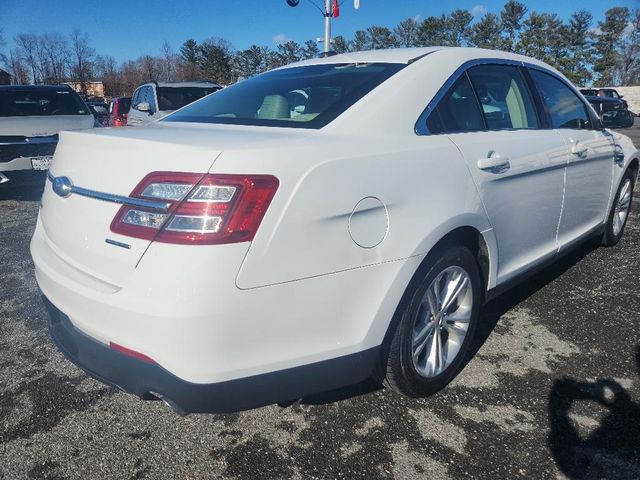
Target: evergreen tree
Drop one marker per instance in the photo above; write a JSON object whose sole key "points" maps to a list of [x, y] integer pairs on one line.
{"points": [[406, 33], [579, 49], [511, 18], [486, 32], [434, 31], [340, 45], [379, 37], [459, 24], [310, 50], [607, 44]]}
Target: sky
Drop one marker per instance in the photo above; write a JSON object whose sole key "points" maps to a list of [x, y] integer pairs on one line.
{"points": [[127, 29]]}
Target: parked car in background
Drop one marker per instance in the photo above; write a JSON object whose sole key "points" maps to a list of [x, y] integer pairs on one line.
{"points": [[100, 111], [589, 92], [154, 100], [261, 244], [605, 93], [30, 119], [612, 111], [612, 93], [118, 111]]}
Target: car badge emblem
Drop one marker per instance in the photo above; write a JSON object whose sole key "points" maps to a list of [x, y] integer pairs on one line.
{"points": [[62, 186]]}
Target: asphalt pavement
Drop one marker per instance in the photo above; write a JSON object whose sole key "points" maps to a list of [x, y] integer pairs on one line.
{"points": [[552, 392]]}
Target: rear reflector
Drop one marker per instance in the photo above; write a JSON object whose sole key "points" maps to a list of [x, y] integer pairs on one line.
{"points": [[131, 353], [205, 209]]}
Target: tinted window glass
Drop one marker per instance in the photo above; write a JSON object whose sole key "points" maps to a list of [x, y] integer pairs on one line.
{"points": [[307, 97], [173, 98], [21, 102], [504, 97], [457, 111], [124, 104], [563, 106]]}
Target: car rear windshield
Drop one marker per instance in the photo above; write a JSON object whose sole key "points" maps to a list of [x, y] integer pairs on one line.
{"points": [[173, 98], [307, 97], [40, 102]]}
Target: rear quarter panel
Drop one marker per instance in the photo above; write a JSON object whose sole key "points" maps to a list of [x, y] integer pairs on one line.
{"points": [[422, 181]]}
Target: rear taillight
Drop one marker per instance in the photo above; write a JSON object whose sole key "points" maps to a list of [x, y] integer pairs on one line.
{"points": [[204, 209]]}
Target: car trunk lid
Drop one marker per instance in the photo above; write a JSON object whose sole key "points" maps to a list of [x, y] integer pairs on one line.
{"points": [[77, 226]]}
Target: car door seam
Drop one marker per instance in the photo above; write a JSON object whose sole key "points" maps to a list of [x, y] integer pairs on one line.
{"points": [[564, 192]]}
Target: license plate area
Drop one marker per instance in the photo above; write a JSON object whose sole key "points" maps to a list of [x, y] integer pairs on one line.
{"points": [[42, 162]]}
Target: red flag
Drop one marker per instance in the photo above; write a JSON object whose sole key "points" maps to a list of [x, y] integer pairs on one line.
{"points": [[336, 9]]}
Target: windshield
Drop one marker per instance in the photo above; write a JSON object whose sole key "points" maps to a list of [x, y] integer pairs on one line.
{"points": [[173, 98], [308, 97], [40, 102]]}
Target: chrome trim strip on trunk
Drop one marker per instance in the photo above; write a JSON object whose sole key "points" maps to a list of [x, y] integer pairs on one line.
{"points": [[23, 140], [63, 187]]}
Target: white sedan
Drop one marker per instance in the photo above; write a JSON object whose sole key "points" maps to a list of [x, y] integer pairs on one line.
{"points": [[320, 224]]}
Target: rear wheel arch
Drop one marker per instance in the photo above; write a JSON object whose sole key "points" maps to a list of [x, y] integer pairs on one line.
{"points": [[634, 166], [465, 236]]}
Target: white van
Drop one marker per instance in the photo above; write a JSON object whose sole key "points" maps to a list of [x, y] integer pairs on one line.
{"points": [[154, 100]]}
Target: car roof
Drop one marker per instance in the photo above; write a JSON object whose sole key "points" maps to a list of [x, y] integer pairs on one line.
{"points": [[34, 87], [595, 98], [410, 55], [183, 84]]}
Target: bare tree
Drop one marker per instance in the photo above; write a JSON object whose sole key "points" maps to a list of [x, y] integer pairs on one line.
{"points": [[17, 68], [3, 57], [26, 51], [169, 62], [83, 56], [53, 51]]}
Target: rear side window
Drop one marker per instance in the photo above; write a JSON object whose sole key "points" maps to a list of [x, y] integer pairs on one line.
{"points": [[563, 106], [24, 102], [457, 111], [173, 98], [306, 97], [506, 103]]}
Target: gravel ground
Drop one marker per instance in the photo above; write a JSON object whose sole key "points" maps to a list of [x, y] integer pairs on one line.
{"points": [[553, 392]]}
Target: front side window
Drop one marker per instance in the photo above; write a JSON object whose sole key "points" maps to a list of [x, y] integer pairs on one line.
{"points": [[506, 103], [457, 111], [24, 102], [563, 106], [135, 100], [307, 97]]}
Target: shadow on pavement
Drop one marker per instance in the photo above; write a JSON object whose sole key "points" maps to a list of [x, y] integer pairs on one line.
{"points": [[23, 186], [617, 435], [497, 307], [490, 315]]}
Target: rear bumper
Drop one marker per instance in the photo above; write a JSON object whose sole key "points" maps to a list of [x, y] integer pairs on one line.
{"points": [[149, 381]]}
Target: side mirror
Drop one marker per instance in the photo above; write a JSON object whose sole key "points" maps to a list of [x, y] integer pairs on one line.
{"points": [[144, 107], [617, 118]]}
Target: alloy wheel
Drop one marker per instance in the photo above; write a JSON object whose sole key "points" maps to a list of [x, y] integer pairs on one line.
{"points": [[442, 321], [623, 202]]}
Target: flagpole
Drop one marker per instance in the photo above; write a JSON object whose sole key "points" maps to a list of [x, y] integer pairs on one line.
{"points": [[327, 26]]}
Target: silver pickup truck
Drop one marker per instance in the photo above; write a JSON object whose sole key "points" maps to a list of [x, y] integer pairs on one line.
{"points": [[30, 119]]}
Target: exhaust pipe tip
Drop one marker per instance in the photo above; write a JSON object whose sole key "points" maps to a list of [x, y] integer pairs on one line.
{"points": [[168, 402]]}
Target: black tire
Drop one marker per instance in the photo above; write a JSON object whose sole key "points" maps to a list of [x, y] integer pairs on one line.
{"points": [[610, 237], [398, 370]]}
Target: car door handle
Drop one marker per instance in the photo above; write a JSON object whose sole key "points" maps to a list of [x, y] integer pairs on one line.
{"points": [[494, 162], [579, 149]]}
